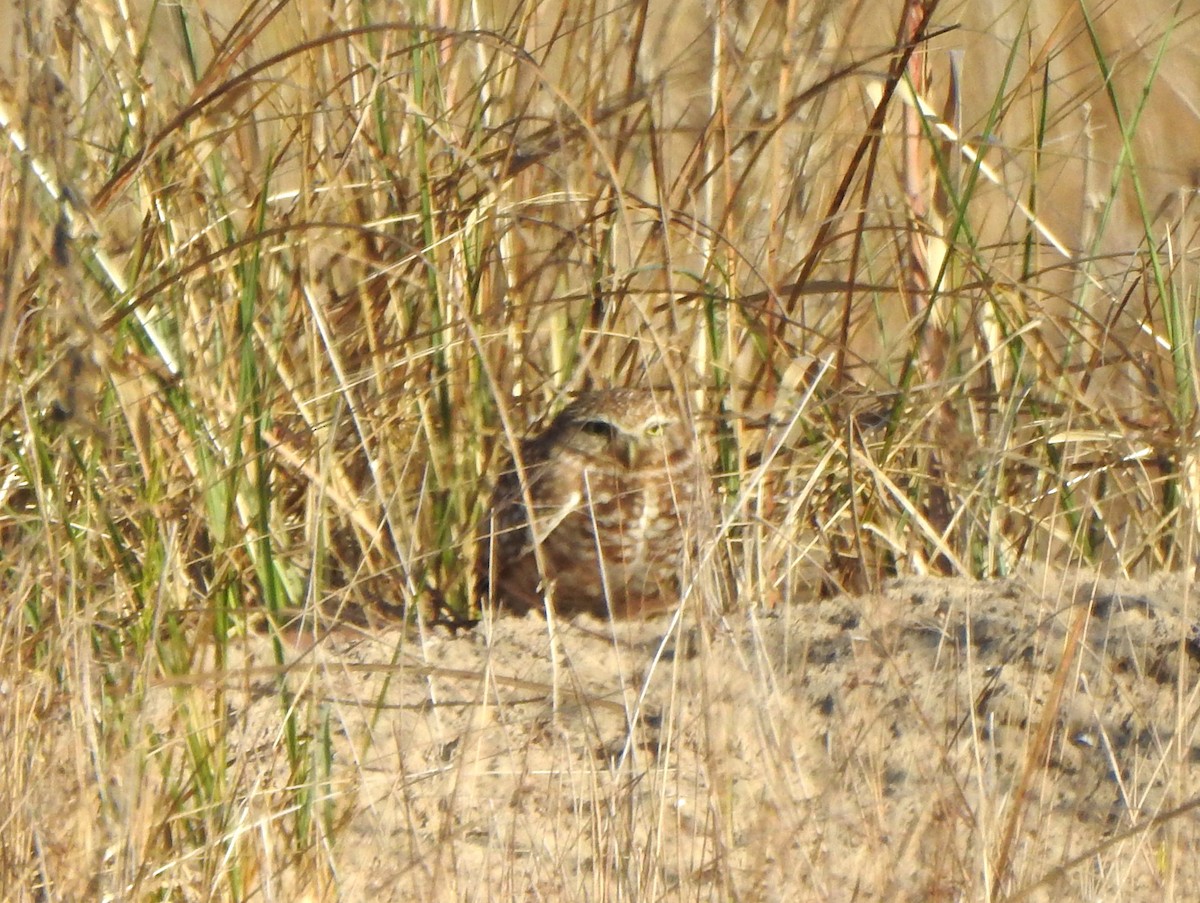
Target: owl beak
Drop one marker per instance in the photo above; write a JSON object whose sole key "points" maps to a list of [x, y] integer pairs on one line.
{"points": [[625, 452]]}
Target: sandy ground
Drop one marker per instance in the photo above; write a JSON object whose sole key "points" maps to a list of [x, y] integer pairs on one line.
{"points": [[854, 748], [883, 747]]}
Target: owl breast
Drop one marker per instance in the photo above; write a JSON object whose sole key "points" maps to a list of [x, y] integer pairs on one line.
{"points": [[619, 551]]}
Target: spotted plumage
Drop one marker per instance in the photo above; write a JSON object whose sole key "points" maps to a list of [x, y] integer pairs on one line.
{"points": [[611, 482]]}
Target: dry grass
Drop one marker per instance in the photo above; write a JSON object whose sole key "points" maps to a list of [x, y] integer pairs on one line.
{"points": [[282, 282]]}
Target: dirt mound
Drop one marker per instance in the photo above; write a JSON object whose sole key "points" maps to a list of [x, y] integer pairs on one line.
{"points": [[905, 745]]}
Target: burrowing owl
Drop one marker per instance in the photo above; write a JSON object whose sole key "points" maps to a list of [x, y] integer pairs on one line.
{"points": [[612, 482]]}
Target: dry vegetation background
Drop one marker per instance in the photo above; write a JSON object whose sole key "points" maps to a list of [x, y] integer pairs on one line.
{"points": [[281, 283]]}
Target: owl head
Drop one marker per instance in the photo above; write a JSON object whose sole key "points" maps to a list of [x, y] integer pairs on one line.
{"points": [[626, 426]]}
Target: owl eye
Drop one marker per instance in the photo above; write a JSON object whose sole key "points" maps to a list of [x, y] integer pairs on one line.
{"points": [[600, 428], [654, 430]]}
